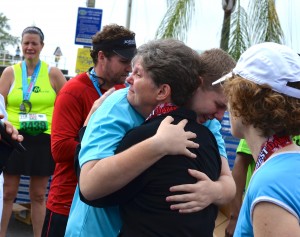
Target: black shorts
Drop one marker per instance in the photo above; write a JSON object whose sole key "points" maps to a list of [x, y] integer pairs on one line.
{"points": [[54, 224], [36, 161]]}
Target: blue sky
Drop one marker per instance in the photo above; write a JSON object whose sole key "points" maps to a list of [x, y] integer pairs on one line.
{"points": [[57, 19]]}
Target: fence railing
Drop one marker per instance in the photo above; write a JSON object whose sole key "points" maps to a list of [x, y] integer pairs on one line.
{"points": [[7, 59]]}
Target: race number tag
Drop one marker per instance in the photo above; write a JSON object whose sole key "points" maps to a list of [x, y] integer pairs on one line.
{"points": [[33, 124]]}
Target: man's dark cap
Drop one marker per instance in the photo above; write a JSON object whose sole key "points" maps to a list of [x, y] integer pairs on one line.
{"points": [[124, 47]]}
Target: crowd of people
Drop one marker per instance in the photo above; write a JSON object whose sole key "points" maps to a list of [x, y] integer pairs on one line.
{"points": [[134, 147]]}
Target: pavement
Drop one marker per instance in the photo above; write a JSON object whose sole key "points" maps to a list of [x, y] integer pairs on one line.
{"points": [[17, 228]]}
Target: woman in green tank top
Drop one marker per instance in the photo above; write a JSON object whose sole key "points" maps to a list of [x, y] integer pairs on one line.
{"points": [[29, 89]]}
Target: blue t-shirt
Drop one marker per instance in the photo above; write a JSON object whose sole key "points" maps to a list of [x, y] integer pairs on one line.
{"points": [[276, 181], [215, 127], [106, 128], [103, 134]]}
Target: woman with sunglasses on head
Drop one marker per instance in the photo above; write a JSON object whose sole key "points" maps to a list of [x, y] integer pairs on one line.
{"points": [[29, 89], [264, 104]]}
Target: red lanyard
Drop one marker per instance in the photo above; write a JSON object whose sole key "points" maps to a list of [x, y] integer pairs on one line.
{"points": [[273, 144], [162, 109]]}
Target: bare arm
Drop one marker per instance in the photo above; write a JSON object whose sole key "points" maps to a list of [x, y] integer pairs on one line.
{"points": [[6, 80], [239, 173], [116, 171], [270, 220], [57, 79], [225, 185]]}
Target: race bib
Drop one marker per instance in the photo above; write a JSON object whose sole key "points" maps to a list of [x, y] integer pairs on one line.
{"points": [[33, 124]]}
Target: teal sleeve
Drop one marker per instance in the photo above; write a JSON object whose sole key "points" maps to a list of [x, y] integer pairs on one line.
{"points": [[215, 127], [107, 126]]}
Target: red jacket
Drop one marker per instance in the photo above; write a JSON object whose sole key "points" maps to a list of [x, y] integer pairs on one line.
{"points": [[71, 108]]}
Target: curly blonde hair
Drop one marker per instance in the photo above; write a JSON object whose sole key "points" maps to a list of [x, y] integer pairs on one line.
{"points": [[260, 106]]}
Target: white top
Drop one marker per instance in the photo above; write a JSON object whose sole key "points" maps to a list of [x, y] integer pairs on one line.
{"points": [[2, 107]]}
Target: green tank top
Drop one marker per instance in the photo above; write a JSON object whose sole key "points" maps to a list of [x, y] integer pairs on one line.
{"points": [[42, 97]]}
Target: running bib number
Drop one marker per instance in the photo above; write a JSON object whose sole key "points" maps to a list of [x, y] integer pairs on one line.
{"points": [[33, 124]]}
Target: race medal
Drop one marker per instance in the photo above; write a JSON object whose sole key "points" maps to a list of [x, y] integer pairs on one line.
{"points": [[22, 108], [33, 124], [25, 107]]}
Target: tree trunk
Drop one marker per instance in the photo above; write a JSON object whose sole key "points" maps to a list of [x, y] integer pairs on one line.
{"points": [[225, 31]]}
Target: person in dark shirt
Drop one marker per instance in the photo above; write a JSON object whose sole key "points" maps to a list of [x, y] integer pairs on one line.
{"points": [[143, 207]]}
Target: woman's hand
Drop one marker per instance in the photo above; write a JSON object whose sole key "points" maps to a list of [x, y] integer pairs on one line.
{"points": [[10, 129], [173, 139], [196, 196]]}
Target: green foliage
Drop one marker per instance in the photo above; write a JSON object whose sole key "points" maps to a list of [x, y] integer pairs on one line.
{"points": [[260, 24], [177, 20], [240, 30], [239, 37], [5, 38], [265, 25]]}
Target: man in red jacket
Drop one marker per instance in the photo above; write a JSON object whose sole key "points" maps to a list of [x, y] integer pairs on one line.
{"points": [[113, 49]]}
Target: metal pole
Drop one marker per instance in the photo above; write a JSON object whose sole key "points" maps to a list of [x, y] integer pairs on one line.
{"points": [[90, 3], [128, 14]]}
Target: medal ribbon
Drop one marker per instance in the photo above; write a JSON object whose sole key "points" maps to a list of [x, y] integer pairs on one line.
{"points": [[273, 144], [27, 89], [95, 81], [162, 109]]}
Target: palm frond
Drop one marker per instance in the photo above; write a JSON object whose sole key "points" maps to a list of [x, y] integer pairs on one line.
{"points": [[177, 20], [239, 35], [169, 2], [264, 22]]}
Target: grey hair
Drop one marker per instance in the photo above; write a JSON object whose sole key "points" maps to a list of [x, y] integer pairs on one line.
{"points": [[170, 61]]}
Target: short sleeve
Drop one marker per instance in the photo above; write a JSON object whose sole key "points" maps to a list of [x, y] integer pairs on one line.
{"points": [[214, 126]]}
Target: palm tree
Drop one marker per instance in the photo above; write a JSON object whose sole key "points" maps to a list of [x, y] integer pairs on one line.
{"points": [[5, 38], [228, 7], [177, 19], [238, 40], [265, 22], [240, 28]]}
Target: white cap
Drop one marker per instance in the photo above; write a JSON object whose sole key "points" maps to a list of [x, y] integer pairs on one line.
{"points": [[272, 64]]}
